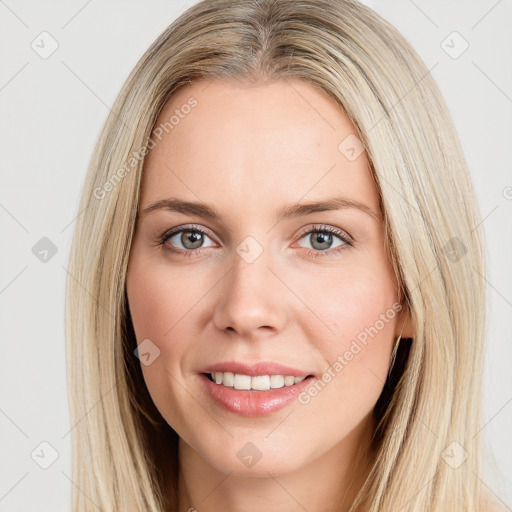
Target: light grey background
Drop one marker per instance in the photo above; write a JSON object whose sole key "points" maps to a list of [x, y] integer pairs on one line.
{"points": [[52, 110]]}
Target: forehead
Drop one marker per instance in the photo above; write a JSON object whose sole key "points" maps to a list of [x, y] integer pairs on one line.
{"points": [[277, 141]]}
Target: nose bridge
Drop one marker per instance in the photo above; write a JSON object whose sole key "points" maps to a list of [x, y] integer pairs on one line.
{"points": [[251, 294]]}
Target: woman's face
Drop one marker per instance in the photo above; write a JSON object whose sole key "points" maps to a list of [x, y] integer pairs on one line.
{"points": [[249, 285]]}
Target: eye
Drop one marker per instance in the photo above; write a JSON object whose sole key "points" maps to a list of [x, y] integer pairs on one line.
{"points": [[321, 240], [185, 240], [189, 240]]}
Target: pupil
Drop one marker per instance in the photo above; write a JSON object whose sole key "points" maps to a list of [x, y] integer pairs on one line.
{"points": [[189, 236], [325, 239]]}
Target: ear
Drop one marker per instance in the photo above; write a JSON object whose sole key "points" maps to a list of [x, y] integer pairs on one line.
{"points": [[404, 324]]}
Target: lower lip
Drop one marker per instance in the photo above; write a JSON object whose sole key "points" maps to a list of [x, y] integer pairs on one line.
{"points": [[252, 402]]}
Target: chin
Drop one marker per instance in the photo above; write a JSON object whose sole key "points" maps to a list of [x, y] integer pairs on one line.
{"points": [[251, 458]]}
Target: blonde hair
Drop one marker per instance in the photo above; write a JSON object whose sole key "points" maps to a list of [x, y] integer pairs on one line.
{"points": [[433, 395]]}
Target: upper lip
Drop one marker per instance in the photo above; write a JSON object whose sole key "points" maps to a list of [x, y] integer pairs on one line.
{"points": [[255, 368]]}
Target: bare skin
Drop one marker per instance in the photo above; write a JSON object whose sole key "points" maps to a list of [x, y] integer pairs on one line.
{"points": [[249, 151]]}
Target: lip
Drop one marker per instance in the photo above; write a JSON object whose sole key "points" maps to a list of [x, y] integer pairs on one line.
{"points": [[255, 368], [253, 403]]}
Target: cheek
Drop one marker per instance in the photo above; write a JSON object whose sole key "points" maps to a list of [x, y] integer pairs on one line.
{"points": [[161, 301], [161, 309], [159, 304], [350, 300], [359, 307]]}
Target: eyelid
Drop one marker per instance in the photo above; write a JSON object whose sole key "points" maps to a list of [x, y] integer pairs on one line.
{"points": [[344, 235], [187, 227]]}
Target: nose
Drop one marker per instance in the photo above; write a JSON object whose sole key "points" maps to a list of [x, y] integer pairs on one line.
{"points": [[252, 300]]}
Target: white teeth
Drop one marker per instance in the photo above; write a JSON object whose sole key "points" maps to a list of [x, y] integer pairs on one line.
{"points": [[228, 379], [241, 381], [276, 381], [259, 382], [288, 381]]}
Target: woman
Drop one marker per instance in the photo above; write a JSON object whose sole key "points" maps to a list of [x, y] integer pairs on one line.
{"points": [[216, 361]]}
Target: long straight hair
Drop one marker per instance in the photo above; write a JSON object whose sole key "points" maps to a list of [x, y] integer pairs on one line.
{"points": [[430, 409]]}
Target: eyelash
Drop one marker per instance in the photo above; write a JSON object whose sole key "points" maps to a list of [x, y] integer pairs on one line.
{"points": [[311, 252]]}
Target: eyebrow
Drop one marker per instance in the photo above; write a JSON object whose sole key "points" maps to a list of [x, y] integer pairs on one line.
{"points": [[290, 211]]}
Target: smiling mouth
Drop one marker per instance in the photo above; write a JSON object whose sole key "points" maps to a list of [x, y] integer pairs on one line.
{"points": [[242, 382]]}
